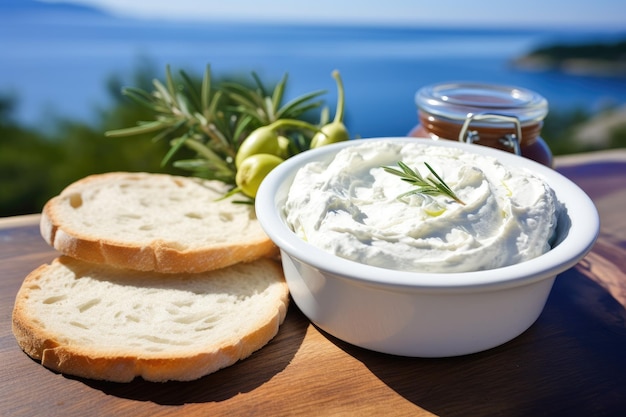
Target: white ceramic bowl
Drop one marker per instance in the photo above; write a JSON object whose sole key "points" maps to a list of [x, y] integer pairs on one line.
{"points": [[423, 314]]}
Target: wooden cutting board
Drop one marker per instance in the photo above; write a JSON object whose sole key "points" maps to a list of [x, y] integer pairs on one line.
{"points": [[572, 361]]}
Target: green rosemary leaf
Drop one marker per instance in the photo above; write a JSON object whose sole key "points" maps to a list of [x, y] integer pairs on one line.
{"points": [[243, 97], [192, 92], [176, 145], [241, 126], [197, 164], [220, 141], [261, 89], [426, 186], [254, 115], [300, 105], [409, 172], [249, 202], [279, 92], [230, 193], [395, 172], [171, 85], [269, 109], [143, 127], [182, 102], [209, 155], [139, 96], [441, 184], [214, 103], [168, 131], [163, 93], [203, 168], [206, 88]]}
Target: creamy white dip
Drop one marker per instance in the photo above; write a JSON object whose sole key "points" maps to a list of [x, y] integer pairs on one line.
{"points": [[349, 207]]}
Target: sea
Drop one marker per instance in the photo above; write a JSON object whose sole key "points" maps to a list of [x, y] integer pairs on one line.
{"points": [[59, 64]]}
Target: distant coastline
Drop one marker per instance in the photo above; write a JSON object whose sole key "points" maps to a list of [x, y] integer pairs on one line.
{"points": [[33, 6], [62, 61], [589, 59]]}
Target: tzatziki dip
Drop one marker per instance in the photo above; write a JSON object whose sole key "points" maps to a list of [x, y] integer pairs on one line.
{"points": [[353, 208]]}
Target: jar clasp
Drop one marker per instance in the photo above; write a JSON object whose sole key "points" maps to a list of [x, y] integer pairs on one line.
{"points": [[511, 140]]}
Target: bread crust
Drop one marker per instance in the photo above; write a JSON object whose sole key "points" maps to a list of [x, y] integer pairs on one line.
{"points": [[38, 337], [160, 255]]}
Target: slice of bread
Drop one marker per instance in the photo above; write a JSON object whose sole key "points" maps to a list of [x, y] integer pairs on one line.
{"points": [[153, 222], [99, 322]]}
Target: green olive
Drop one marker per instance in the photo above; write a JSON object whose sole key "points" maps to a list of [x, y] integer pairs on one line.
{"points": [[266, 139], [336, 130], [330, 133], [262, 140], [284, 145], [253, 170]]}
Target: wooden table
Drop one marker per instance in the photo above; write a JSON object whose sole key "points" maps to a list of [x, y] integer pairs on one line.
{"points": [[571, 362]]}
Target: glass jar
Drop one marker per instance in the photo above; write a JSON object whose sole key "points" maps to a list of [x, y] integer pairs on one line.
{"points": [[503, 117]]}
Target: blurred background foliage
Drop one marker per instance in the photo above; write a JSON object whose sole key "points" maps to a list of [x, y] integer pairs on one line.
{"points": [[37, 162]]}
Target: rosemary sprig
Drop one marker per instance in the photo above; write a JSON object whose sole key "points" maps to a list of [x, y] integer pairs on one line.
{"points": [[426, 186], [211, 119]]}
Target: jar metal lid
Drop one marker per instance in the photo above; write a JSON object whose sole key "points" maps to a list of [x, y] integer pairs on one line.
{"points": [[458, 101]]}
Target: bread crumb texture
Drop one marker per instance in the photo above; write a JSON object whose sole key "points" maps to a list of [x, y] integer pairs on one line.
{"points": [[107, 323], [141, 207], [153, 222]]}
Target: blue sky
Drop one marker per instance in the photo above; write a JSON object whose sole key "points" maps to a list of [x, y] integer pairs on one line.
{"points": [[578, 14]]}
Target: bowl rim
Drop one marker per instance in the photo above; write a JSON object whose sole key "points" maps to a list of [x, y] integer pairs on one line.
{"points": [[581, 235]]}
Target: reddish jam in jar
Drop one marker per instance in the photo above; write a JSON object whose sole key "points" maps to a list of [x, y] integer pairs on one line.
{"points": [[503, 117]]}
